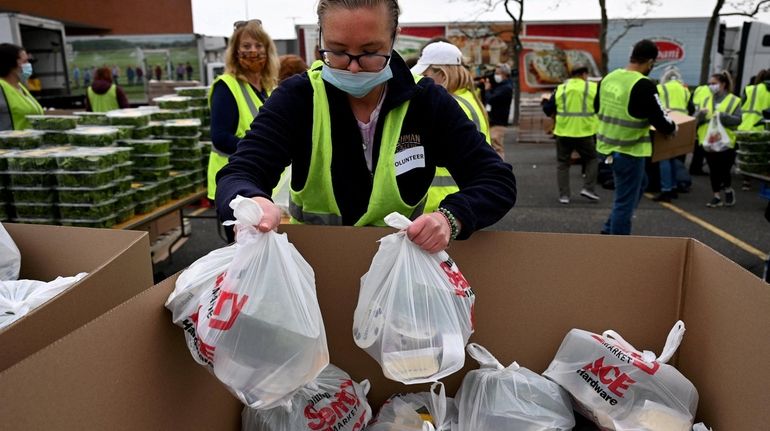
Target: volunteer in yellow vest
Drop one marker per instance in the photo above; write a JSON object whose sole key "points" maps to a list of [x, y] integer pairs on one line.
{"points": [[675, 97], [15, 101], [728, 107], [104, 95], [756, 100], [364, 139], [251, 74], [442, 62], [573, 106], [628, 103], [700, 96]]}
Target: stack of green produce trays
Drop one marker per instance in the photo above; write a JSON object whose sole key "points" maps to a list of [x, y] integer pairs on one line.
{"points": [[33, 195], [92, 118], [129, 117], [93, 136], [172, 102], [21, 139], [53, 122], [200, 91], [125, 213], [186, 127], [55, 137], [753, 152], [101, 214], [146, 197], [195, 152], [126, 205], [183, 183]]}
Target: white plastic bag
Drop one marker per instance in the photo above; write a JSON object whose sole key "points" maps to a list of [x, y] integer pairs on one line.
{"points": [[621, 388], [700, 426], [10, 258], [424, 411], [333, 401], [415, 310], [256, 324], [495, 397], [716, 139], [19, 297]]}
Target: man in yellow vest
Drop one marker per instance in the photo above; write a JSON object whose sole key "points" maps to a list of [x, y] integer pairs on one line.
{"points": [[675, 96], [575, 130], [628, 103]]}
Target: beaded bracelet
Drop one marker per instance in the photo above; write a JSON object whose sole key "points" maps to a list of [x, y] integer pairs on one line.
{"points": [[450, 218]]}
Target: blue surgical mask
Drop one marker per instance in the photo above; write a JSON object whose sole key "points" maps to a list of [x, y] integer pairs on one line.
{"points": [[357, 84], [26, 71]]}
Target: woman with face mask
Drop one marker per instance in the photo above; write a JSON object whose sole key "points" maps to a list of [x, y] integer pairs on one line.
{"points": [[16, 101], [442, 62], [251, 74], [364, 137], [728, 106]]}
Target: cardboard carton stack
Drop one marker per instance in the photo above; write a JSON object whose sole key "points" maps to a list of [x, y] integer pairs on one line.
{"points": [[534, 126]]}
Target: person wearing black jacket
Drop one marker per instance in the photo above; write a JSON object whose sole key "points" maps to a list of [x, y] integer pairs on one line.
{"points": [[498, 99], [364, 140]]}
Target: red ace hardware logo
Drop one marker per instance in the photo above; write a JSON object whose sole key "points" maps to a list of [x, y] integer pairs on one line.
{"points": [[227, 306], [614, 380], [341, 410], [632, 358]]}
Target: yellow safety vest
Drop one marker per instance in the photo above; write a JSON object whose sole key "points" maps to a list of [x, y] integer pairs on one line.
{"points": [[248, 105], [575, 116], [728, 105], [20, 104], [443, 185], [315, 203], [618, 131], [674, 96], [103, 102], [757, 100]]}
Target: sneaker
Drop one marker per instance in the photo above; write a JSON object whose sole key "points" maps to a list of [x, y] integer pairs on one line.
{"points": [[564, 200], [714, 203], [729, 197], [589, 195], [665, 196]]}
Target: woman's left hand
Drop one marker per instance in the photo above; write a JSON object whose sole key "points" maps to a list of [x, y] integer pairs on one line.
{"points": [[430, 232]]}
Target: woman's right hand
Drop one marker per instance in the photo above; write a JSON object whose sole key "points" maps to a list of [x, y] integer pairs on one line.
{"points": [[271, 216]]}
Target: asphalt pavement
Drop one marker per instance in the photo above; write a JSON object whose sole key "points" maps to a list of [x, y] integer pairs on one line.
{"points": [[740, 233]]}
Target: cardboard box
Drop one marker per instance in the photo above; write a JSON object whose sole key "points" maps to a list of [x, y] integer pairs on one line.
{"points": [[118, 263], [667, 147], [130, 368]]}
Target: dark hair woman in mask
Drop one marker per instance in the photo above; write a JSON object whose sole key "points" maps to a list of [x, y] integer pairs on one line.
{"points": [[16, 101]]}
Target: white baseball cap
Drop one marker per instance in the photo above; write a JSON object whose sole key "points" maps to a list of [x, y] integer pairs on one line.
{"points": [[438, 54]]}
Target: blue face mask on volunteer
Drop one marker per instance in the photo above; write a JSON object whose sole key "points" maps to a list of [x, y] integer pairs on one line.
{"points": [[357, 84], [26, 71]]}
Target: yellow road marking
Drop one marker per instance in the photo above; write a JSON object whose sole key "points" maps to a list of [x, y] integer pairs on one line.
{"points": [[199, 211], [713, 229]]}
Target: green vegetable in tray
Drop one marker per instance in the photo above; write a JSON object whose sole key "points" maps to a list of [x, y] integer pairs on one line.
{"points": [[33, 194], [125, 213], [146, 206], [92, 118], [30, 179], [148, 146], [56, 138], [145, 132], [151, 174], [53, 122], [91, 179], [187, 127], [151, 160], [754, 147], [169, 114], [749, 157], [105, 222], [206, 130], [199, 112], [183, 191], [42, 159], [182, 142], [123, 170], [198, 102], [187, 152], [145, 191], [93, 136], [85, 159], [21, 139], [35, 210], [186, 164], [164, 198], [124, 132], [125, 199], [754, 168], [129, 117], [157, 128], [192, 91], [752, 136], [86, 195], [172, 102], [123, 184], [181, 179], [46, 220], [87, 211], [165, 185]]}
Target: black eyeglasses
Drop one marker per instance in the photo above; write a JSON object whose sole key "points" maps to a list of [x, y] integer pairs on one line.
{"points": [[239, 24], [341, 60]]}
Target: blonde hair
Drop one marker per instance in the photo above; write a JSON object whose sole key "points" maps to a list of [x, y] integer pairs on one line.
{"points": [[269, 75], [457, 77], [390, 5]]}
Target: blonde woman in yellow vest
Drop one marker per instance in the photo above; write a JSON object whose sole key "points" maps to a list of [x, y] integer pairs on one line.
{"points": [[15, 101], [442, 62], [104, 95], [364, 136], [251, 74]]}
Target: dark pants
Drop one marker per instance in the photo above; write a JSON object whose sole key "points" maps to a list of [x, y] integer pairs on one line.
{"points": [[586, 147], [719, 169], [630, 182], [696, 164]]}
